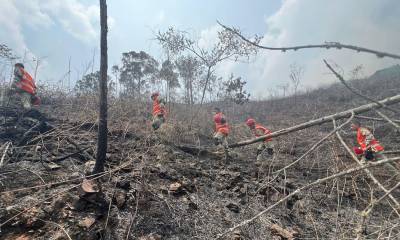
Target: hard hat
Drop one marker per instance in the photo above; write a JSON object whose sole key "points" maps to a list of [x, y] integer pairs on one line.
{"points": [[217, 118], [250, 122]]}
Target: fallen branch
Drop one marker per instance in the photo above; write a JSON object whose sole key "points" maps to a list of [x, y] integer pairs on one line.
{"points": [[319, 121], [327, 45], [388, 120], [391, 152], [375, 119], [7, 145], [361, 229], [315, 146], [358, 93], [76, 145], [297, 191], [70, 155]]}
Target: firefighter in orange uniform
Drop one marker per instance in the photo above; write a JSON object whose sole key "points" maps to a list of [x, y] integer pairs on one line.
{"points": [[369, 147], [24, 86], [158, 111], [221, 131], [258, 131]]}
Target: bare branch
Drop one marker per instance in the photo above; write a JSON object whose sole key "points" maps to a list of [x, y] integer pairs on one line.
{"points": [[375, 119], [388, 119], [315, 146], [319, 121], [355, 91], [370, 175], [327, 45], [297, 191]]}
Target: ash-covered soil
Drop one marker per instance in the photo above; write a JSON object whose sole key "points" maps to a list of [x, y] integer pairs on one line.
{"points": [[158, 186]]}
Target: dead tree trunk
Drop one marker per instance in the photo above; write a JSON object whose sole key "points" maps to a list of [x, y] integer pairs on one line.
{"points": [[341, 115], [102, 131]]}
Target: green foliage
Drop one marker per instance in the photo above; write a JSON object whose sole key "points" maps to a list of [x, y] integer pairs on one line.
{"points": [[167, 73], [89, 84], [234, 90], [136, 71], [190, 70]]}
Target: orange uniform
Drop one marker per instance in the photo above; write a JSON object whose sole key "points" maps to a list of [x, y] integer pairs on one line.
{"points": [[26, 82], [366, 140], [158, 107], [261, 131], [221, 125]]}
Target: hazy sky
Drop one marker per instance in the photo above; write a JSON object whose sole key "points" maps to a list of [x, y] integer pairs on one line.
{"points": [[56, 30]]}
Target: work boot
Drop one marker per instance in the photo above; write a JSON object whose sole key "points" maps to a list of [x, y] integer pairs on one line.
{"points": [[270, 151]]}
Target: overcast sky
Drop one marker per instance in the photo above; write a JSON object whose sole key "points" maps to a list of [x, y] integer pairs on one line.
{"points": [[56, 30]]}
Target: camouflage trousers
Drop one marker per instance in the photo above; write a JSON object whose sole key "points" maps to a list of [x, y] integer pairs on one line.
{"points": [[221, 141], [17, 97], [158, 120]]}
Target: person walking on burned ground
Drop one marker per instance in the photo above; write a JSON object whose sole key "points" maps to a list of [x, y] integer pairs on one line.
{"points": [[221, 131], [158, 111], [258, 131], [23, 88]]}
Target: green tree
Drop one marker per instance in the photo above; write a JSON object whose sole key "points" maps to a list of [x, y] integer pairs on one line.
{"points": [[168, 74], [190, 70], [89, 84], [234, 90], [136, 71]]}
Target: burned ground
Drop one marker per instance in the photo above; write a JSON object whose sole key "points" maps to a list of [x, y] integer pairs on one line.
{"points": [[174, 185]]}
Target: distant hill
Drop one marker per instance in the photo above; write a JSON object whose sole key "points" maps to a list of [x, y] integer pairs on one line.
{"points": [[390, 72]]}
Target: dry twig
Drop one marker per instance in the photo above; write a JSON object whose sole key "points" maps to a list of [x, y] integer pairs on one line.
{"points": [[319, 121], [297, 191]]}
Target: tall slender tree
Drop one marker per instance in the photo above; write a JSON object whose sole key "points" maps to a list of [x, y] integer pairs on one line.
{"points": [[136, 71], [102, 131]]}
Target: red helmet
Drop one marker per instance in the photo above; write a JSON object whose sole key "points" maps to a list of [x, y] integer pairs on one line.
{"points": [[155, 94], [250, 122], [218, 118]]}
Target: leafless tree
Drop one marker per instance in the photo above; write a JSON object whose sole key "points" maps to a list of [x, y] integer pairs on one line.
{"points": [[284, 87], [296, 74], [226, 47]]}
